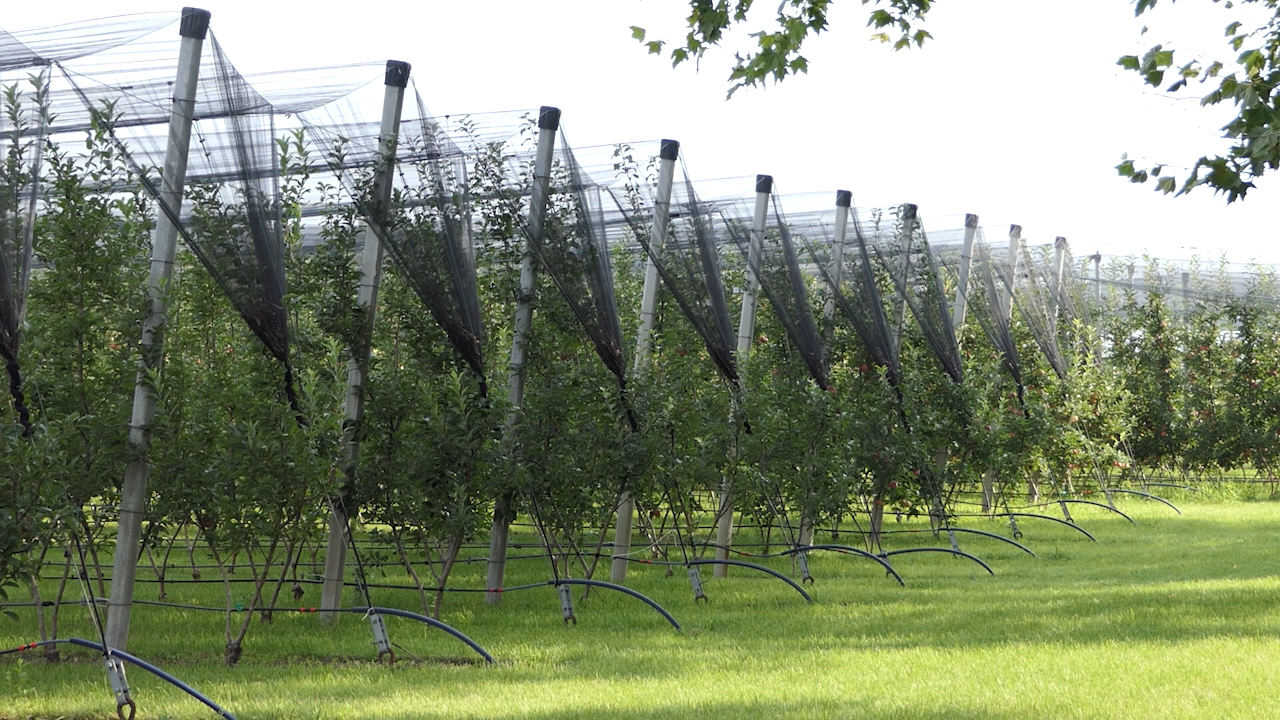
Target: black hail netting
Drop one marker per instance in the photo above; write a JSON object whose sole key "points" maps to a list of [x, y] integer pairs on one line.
{"points": [[858, 297], [234, 225], [1068, 293], [23, 122], [993, 314], [791, 301], [427, 228], [925, 294], [430, 235], [777, 268], [121, 73], [1033, 295], [346, 134], [56, 43], [130, 75], [575, 255], [688, 261]]}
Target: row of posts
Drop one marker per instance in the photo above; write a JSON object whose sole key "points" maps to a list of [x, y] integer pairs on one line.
{"points": [[193, 30]]}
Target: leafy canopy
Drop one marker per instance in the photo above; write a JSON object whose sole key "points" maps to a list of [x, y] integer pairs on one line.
{"points": [[1249, 81], [777, 51]]}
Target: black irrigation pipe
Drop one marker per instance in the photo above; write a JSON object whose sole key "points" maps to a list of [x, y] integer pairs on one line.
{"points": [[738, 563], [429, 621], [1148, 496], [594, 584], [983, 533], [753, 566], [951, 551], [1046, 517], [301, 581], [357, 610], [1171, 485], [610, 586], [849, 550], [546, 583], [132, 660], [1101, 505]]}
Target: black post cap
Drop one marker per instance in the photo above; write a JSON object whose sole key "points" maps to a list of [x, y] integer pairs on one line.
{"points": [[970, 220], [548, 118], [1059, 240], [398, 73], [669, 150], [1015, 231], [844, 198], [195, 23], [764, 183], [909, 211]]}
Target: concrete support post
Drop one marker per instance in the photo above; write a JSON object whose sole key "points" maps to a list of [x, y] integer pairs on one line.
{"points": [[844, 200], [1015, 249], [133, 496], [668, 153], [961, 305], [503, 507], [746, 328], [907, 216], [397, 79], [1059, 269], [1097, 278]]}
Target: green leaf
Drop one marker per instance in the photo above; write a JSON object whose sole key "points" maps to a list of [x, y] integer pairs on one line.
{"points": [[1128, 62], [655, 47], [1166, 185], [637, 33], [1232, 28]]}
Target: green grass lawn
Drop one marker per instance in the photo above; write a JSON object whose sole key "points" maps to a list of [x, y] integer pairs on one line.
{"points": [[1174, 617]]}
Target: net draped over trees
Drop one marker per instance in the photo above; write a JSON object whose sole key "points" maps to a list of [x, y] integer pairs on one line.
{"points": [[865, 397]]}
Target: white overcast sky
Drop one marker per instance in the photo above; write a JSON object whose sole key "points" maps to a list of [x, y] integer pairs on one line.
{"points": [[1016, 111]]}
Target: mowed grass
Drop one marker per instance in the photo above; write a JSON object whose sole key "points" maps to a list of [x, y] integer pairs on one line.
{"points": [[1174, 617]]}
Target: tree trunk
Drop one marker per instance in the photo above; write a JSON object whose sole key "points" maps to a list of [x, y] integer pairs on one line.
{"points": [[451, 556], [877, 522]]}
